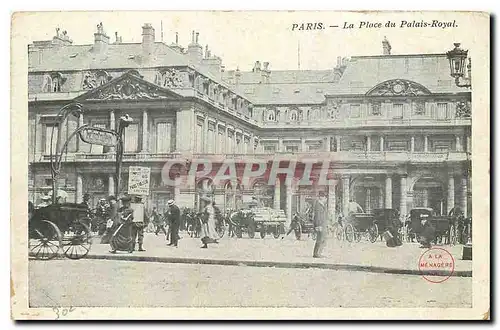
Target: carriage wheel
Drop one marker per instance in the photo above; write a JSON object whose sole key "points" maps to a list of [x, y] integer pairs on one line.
{"points": [[349, 233], [373, 232], [251, 231], [263, 232], [45, 241], [357, 236], [453, 235], [338, 232], [77, 244], [221, 230]]}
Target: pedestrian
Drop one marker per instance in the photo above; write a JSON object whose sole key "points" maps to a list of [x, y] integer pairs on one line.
{"points": [[175, 221], [427, 234], [138, 227], [320, 221], [121, 239], [45, 201], [209, 233], [111, 221], [158, 222], [294, 225]]}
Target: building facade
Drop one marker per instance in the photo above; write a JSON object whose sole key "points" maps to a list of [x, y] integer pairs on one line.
{"points": [[394, 129]]}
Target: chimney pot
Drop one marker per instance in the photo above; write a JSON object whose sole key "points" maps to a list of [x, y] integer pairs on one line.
{"points": [[386, 46], [148, 39], [101, 40]]}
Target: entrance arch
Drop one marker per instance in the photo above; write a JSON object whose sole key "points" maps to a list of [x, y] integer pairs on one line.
{"points": [[368, 192], [429, 191]]}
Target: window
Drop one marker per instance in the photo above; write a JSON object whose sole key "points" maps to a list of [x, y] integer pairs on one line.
{"points": [[355, 110], [270, 115], [211, 141], [397, 111], [131, 138], [314, 147], [95, 148], [56, 86], [222, 138], [198, 147], [315, 115], [230, 143], [292, 148], [376, 109], [442, 110], [48, 140], [270, 149], [294, 115], [163, 133]]}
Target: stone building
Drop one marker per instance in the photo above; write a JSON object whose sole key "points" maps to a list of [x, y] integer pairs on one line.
{"points": [[395, 128]]}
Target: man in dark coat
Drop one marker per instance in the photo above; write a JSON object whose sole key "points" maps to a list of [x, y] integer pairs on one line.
{"points": [[320, 221], [427, 234], [175, 221]]}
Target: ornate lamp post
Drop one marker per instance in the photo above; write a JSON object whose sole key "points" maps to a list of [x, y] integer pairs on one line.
{"points": [[457, 58], [76, 110], [123, 123]]}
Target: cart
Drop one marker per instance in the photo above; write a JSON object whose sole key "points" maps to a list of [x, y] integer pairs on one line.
{"points": [[358, 225], [443, 225], [264, 220], [303, 225], [385, 219], [59, 226]]}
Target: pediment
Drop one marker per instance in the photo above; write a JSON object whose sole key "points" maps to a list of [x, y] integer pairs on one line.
{"points": [[128, 86], [398, 87]]}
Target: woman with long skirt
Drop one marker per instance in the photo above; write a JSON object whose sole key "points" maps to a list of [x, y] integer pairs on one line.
{"points": [[209, 234], [121, 239], [112, 222]]}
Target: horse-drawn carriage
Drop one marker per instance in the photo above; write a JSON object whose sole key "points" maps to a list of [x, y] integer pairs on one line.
{"points": [[264, 220], [386, 219], [442, 225], [303, 224], [358, 225], [193, 221], [59, 226]]}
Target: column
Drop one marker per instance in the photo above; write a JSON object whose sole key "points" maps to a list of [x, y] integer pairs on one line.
{"points": [[280, 145], [469, 143], [328, 143], [289, 193], [426, 143], [235, 143], [368, 196], [402, 201], [303, 147], [388, 192], [463, 195], [205, 135], [345, 194], [226, 143], [368, 143], [277, 195], [381, 143], [80, 124], [144, 131], [331, 201], [412, 144], [458, 144], [337, 142], [111, 185], [251, 144], [450, 203], [216, 139], [79, 188]]}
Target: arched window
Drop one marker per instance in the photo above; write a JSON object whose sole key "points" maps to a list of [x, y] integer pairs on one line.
{"points": [[271, 115], [315, 114], [47, 84], [159, 78], [56, 86], [294, 115], [101, 80]]}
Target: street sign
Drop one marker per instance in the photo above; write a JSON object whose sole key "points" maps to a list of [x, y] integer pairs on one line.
{"points": [[138, 180], [99, 136]]}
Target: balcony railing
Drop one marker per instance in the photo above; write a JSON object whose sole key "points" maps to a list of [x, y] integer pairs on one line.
{"points": [[342, 156]]}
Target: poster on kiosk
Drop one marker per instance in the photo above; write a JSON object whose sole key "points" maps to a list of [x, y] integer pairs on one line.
{"points": [[138, 185]]}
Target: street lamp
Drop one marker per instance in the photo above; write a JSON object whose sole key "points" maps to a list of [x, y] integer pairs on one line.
{"points": [[123, 123], [457, 58]]}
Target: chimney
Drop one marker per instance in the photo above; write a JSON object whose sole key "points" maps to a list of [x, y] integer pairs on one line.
{"points": [[101, 40], [175, 46], [148, 39], [237, 76], [386, 46], [195, 50], [339, 61], [265, 72], [61, 39]]}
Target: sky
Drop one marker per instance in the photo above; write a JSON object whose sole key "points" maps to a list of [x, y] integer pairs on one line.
{"points": [[241, 38]]}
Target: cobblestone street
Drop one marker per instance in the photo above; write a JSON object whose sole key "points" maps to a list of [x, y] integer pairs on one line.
{"points": [[148, 284]]}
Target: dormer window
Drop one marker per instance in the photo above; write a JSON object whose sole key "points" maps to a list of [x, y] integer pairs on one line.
{"points": [[52, 82], [294, 115], [271, 116]]}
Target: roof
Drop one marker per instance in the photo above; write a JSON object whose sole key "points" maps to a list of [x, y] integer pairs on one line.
{"points": [[116, 56], [365, 72], [283, 76], [287, 93]]}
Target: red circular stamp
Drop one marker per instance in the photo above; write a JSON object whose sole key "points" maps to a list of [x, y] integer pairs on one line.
{"points": [[437, 265]]}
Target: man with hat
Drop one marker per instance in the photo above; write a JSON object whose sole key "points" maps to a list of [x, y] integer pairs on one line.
{"points": [[138, 228], [45, 201], [320, 220], [174, 221]]}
